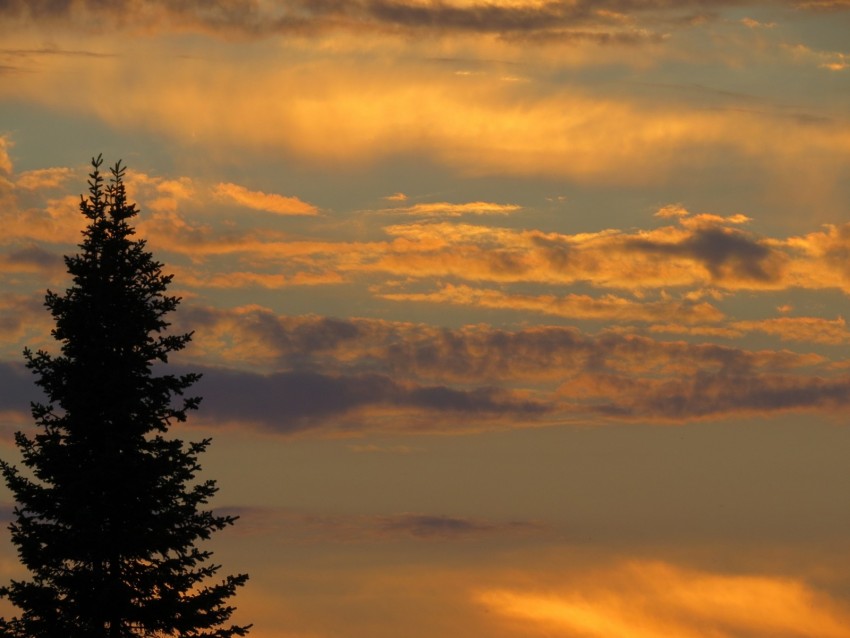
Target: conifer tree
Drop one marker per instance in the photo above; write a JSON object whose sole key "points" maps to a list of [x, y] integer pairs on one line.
{"points": [[109, 511]]}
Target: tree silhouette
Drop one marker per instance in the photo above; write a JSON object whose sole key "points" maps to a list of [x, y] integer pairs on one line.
{"points": [[109, 512]]}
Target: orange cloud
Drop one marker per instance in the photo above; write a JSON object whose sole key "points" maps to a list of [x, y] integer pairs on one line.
{"points": [[269, 202], [606, 308], [159, 194], [446, 209], [699, 252], [751, 23], [5, 160], [672, 210], [830, 60], [58, 221], [249, 279], [809, 329], [706, 250], [577, 375], [803, 329], [659, 600], [475, 124], [43, 178], [692, 254]]}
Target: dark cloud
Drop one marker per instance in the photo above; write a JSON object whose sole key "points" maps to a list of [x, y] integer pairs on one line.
{"points": [[302, 526], [17, 387], [18, 316], [706, 394], [289, 402], [66, 8], [36, 8], [57, 52], [606, 21], [35, 257], [442, 527], [482, 17], [555, 19], [722, 248], [437, 378], [566, 36], [725, 252], [475, 354], [363, 375]]}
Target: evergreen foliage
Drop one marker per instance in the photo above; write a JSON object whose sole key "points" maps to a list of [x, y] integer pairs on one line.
{"points": [[109, 512]]}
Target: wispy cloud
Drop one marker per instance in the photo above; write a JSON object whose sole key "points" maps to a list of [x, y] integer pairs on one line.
{"points": [[293, 402], [611, 20], [308, 527], [447, 209], [442, 527], [824, 4], [657, 600], [573, 306], [43, 178], [270, 202], [829, 60], [706, 394], [752, 23], [474, 124], [802, 329]]}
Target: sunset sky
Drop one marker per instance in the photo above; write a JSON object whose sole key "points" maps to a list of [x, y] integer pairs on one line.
{"points": [[516, 317]]}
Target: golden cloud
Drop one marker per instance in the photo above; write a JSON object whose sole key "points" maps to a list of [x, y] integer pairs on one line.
{"points": [[704, 250], [248, 279], [322, 112], [659, 600], [157, 193], [43, 178], [803, 329], [5, 160], [57, 222], [830, 60], [269, 202], [573, 306], [695, 255], [446, 209], [809, 329], [751, 23]]}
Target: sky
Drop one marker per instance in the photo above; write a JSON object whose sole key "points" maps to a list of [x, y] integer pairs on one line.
{"points": [[516, 317]]}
